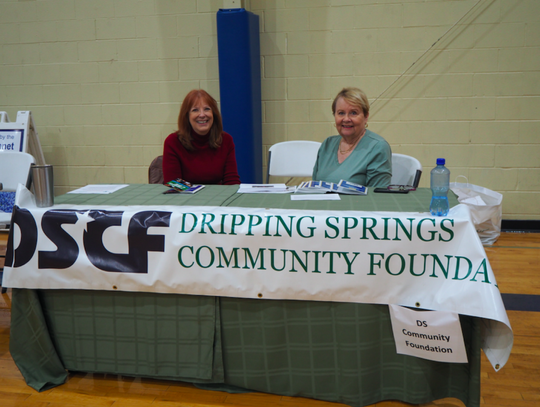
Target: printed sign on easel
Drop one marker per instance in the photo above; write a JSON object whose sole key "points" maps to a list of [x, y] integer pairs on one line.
{"points": [[20, 135], [11, 140]]}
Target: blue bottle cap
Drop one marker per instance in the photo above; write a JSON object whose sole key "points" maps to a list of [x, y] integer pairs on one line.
{"points": [[441, 161]]}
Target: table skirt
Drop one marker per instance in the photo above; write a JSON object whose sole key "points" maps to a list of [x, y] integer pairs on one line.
{"points": [[340, 352]]}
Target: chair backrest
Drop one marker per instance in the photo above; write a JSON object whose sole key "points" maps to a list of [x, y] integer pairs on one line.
{"points": [[15, 169], [404, 169], [155, 171], [292, 158]]}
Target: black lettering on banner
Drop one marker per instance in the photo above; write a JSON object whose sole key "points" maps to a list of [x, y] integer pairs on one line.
{"points": [[139, 242], [27, 246], [68, 250]]}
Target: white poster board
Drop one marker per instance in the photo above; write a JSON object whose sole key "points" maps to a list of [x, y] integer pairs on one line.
{"points": [[432, 335], [21, 135]]}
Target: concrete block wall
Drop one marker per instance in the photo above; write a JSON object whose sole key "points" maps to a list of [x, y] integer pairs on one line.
{"points": [[104, 80], [471, 98]]}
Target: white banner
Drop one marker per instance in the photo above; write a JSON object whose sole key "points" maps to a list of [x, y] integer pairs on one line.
{"points": [[410, 259]]}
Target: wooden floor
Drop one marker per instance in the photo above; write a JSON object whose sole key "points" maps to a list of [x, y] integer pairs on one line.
{"points": [[515, 260]]}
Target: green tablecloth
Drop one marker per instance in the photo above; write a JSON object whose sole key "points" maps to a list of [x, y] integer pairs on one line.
{"points": [[330, 351], [225, 195]]}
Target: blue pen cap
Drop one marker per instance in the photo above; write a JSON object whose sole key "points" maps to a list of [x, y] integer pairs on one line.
{"points": [[441, 161]]}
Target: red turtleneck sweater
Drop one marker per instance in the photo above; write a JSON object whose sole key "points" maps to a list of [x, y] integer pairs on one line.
{"points": [[204, 165]]}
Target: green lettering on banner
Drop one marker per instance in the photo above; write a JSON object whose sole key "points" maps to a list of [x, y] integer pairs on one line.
{"points": [[234, 223], [251, 224], [450, 231], [180, 256], [304, 265], [370, 228], [267, 227], [350, 262], [385, 224], [333, 227], [184, 223], [247, 254], [484, 272], [207, 223], [437, 261], [222, 224], [272, 260], [401, 268], [408, 232], [347, 227], [311, 229], [411, 269], [198, 257], [288, 228], [221, 254], [372, 262], [419, 229], [316, 261], [458, 261], [331, 262]]}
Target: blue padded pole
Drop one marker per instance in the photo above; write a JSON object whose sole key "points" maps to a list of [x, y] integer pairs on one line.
{"points": [[240, 88]]}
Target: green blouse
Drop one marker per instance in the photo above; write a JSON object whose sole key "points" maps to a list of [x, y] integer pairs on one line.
{"points": [[369, 164]]}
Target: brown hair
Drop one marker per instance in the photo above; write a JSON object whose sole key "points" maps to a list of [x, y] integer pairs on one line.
{"points": [[184, 126], [355, 97]]}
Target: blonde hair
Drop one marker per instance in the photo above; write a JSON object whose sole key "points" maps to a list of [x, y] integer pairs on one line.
{"points": [[355, 97]]}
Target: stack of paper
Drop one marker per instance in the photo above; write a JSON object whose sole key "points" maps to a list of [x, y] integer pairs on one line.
{"points": [[264, 189], [345, 187], [323, 187], [316, 187]]}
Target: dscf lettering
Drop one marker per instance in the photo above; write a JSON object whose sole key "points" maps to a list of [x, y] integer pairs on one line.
{"points": [[67, 252]]}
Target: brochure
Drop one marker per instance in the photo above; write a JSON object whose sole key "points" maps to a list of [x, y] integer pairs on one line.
{"points": [[323, 187], [316, 187], [351, 188], [180, 186]]}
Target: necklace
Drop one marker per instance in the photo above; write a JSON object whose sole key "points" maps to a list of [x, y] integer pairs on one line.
{"points": [[346, 151], [352, 146]]}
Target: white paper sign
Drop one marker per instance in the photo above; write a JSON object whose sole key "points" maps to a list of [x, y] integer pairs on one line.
{"points": [[432, 335], [11, 140]]}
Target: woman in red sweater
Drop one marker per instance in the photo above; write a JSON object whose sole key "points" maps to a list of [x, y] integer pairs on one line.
{"points": [[200, 151]]}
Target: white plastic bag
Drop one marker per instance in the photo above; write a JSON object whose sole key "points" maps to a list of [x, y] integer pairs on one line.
{"points": [[485, 206]]}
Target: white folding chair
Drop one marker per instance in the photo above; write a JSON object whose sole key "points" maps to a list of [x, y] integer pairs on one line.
{"points": [[406, 170], [292, 159], [14, 170]]}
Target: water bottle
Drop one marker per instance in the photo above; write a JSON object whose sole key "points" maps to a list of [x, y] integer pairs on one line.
{"points": [[440, 184]]}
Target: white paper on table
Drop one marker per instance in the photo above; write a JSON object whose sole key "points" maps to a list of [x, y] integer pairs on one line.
{"points": [[264, 189], [99, 189], [315, 197]]}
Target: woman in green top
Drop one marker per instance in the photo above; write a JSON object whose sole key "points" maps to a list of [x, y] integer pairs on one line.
{"points": [[357, 155]]}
